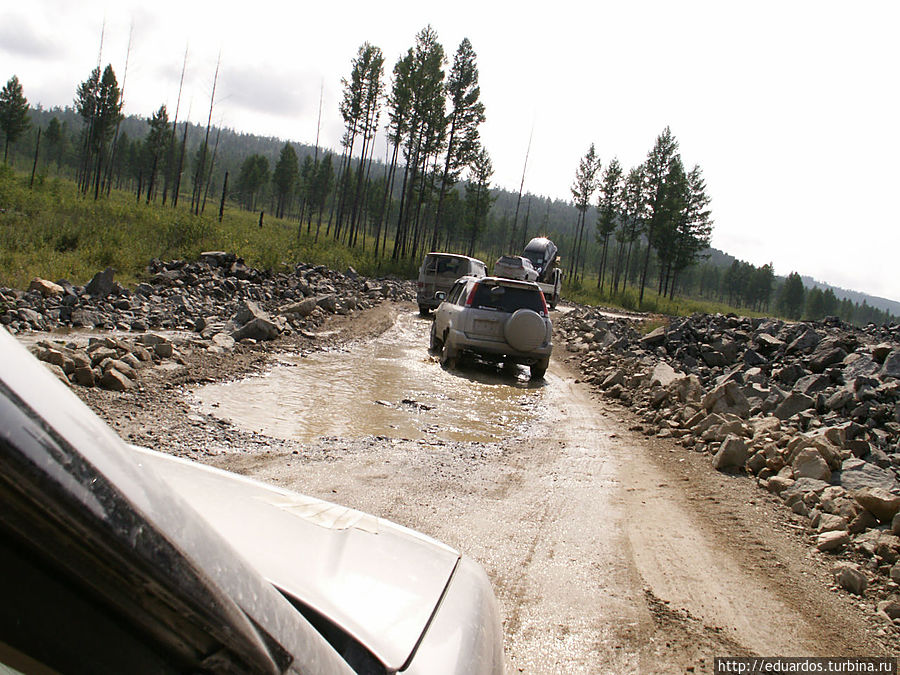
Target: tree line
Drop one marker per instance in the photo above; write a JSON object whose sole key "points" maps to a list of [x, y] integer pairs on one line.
{"points": [[431, 190], [658, 203]]}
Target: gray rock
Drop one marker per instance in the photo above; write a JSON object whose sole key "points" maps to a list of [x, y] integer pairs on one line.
{"points": [[810, 464], [880, 503], [804, 344], [663, 375], [115, 381], [257, 329], [832, 541], [102, 284], [303, 308], [731, 455], [328, 303], [247, 311], [727, 398], [891, 367], [654, 338], [793, 404], [824, 358], [767, 344], [857, 474], [859, 365], [84, 318], [850, 578], [812, 384]]}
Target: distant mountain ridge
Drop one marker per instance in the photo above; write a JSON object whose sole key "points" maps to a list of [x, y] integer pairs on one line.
{"points": [[722, 259], [891, 306]]}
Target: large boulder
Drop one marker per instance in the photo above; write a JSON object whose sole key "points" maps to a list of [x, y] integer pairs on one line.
{"points": [[257, 329], [857, 474], [254, 323], [45, 288], [793, 404], [880, 503], [663, 375], [102, 284], [810, 464], [732, 454]]}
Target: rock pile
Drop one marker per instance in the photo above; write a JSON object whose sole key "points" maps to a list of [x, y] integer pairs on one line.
{"points": [[108, 362], [811, 409], [218, 298]]}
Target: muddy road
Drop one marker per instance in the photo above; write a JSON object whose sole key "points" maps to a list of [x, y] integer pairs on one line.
{"points": [[608, 552]]}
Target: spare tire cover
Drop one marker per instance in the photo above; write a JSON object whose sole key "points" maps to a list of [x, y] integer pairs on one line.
{"points": [[525, 330]]}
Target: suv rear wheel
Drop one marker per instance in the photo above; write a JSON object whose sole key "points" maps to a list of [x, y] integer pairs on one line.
{"points": [[539, 368]]}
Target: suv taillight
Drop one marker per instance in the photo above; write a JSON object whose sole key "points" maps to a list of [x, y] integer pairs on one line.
{"points": [[471, 295], [544, 300]]}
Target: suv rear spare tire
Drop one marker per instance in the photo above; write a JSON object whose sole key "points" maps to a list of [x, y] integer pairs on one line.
{"points": [[525, 330]]}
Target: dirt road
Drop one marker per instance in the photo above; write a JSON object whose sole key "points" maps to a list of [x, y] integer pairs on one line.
{"points": [[608, 552]]}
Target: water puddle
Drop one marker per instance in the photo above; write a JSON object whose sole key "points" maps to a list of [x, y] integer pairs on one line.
{"points": [[388, 387]]}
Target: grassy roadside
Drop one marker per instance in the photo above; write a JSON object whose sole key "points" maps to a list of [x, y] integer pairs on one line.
{"points": [[52, 232], [653, 303]]}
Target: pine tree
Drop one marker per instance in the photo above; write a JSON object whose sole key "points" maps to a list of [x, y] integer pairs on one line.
{"points": [[156, 143], [582, 191], [658, 168], [693, 227], [466, 114], [792, 296], [13, 113], [478, 195], [634, 204], [99, 103], [610, 207], [284, 178]]}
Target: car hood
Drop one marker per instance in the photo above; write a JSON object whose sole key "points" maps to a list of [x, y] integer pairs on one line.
{"points": [[378, 581]]}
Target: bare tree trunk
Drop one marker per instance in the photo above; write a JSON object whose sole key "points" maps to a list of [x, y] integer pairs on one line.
{"points": [[170, 159], [37, 148], [201, 165], [222, 203]]}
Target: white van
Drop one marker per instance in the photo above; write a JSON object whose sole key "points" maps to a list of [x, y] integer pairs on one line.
{"points": [[437, 274]]}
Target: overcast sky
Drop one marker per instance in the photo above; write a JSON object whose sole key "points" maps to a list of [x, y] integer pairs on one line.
{"points": [[789, 107]]}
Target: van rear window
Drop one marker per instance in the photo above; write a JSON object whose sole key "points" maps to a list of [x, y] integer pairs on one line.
{"points": [[445, 265], [507, 298]]}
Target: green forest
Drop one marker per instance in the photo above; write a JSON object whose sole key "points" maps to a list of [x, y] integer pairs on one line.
{"points": [[80, 183]]}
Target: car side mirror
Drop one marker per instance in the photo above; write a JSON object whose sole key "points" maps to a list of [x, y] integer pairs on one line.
{"points": [[440, 295]]}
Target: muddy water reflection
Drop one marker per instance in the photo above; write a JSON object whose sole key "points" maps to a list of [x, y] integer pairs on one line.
{"points": [[387, 387]]}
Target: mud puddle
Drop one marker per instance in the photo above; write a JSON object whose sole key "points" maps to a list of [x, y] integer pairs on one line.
{"points": [[390, 387]]}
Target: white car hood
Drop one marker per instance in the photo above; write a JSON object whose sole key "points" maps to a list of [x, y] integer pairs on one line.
{"points": [[378, 581]]}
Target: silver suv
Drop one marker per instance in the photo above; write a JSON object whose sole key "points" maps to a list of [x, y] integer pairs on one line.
{"points": [[496, 319]]}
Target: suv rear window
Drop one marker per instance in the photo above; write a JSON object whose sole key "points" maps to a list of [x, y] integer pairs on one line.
{"points": [[507, 298]]}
